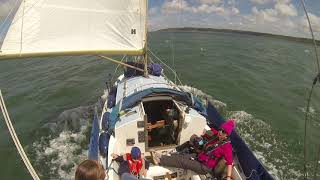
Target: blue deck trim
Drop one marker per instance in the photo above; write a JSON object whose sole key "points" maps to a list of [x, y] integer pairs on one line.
{"points": [[94, 139], [251, 166], [133, 99]]}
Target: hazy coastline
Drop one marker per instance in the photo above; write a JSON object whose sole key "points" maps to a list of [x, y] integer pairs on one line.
{"points": [[193, 29]]}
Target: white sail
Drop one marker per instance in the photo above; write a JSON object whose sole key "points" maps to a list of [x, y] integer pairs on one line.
{"points": [[72, 27]]}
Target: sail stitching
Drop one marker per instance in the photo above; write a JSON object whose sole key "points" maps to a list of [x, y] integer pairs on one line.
{"points": [[21, 36]]}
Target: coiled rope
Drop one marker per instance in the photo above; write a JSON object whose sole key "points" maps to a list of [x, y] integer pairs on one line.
{"points": [[16, 139]]}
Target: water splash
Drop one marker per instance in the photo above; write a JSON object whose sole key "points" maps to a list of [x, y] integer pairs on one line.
{"points": [[64, 141], [66, 144]]}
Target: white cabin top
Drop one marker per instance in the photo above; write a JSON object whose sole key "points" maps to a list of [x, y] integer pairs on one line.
{"points": [[129, 86]]}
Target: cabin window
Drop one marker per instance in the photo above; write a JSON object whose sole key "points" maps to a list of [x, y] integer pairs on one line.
{"points": [[163, 119]]}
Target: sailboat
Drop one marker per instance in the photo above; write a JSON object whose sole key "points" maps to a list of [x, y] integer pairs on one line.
{"points": [[141, 95]]}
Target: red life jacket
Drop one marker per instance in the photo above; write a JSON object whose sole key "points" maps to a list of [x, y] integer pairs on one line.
{"points": [[134, 166]]}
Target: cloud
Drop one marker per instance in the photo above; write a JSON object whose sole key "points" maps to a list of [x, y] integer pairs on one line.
{"points": [[270, 16], [204, 8], [210, 1], [266, 15], [176, 6], [281, 11], [261, 1], [286, 9], [234, 11], [314, 20], [153, 11]]}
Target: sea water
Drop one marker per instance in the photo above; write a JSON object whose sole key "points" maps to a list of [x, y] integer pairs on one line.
{"points": [[262, 82]]}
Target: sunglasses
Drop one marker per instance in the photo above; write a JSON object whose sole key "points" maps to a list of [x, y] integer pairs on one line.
{"points": [[223, 131]]}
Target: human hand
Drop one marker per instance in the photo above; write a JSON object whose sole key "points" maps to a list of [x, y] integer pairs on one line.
{"points": [[113, 155], [144, 173], [203, 132]]}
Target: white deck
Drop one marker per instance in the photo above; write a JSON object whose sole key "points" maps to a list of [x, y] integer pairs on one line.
{"points": [[126, 128], [129, 86]]}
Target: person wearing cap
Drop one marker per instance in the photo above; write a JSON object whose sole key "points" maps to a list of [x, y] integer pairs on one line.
{"points": [[132, 165], [214, 149]]}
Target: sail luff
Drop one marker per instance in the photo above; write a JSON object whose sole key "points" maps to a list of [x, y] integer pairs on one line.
{"points": [[76, 27]]}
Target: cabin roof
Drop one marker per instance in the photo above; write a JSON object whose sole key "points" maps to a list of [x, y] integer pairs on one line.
{"points": [[128, 86]]}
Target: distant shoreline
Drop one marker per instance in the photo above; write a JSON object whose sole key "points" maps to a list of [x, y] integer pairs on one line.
{"points": [[191, 29]]}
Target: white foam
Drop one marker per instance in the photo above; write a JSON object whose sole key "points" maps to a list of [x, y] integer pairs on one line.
{"points": [[203, 96], [58, 155], [311, 109], [65, 152], [105, 95]]}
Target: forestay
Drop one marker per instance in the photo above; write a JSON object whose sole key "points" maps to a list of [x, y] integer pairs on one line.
{"points": [[74, 27]]}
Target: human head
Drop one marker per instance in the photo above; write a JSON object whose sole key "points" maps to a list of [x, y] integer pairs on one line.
{"points": [[226, 129], [135, 153], [90, 170]]}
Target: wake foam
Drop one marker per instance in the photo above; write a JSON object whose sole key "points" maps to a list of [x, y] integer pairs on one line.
{"points": [[64, 142]]}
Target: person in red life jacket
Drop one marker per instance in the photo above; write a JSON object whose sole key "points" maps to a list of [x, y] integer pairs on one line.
{"points": [[206, 152], [131, 163]]}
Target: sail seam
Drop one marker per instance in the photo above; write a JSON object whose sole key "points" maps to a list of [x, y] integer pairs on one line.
{"points": [[21, 36]]}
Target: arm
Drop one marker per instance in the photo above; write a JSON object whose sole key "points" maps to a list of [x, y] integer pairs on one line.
{"points": [[146, 165], [229, 172], [117, 158], [157, 125], [229, 159]]}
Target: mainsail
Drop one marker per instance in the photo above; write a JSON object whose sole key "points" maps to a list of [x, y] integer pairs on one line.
{"points": [[75, 27]]}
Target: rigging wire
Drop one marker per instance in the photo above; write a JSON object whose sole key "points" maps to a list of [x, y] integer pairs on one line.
{"points": [[115, 71], [311, 31], [16, 140], [305, 174], [173, 71], [316, 79], [317, 162]]}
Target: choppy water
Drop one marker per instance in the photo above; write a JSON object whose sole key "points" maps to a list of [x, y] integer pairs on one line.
{"points": [[262, 83]]}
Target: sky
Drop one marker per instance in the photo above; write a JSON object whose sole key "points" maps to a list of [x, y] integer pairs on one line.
{"points": [[284, 17]]}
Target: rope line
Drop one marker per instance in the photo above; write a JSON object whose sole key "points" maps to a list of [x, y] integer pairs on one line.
{"points": [[315, 80], [16, 139]]}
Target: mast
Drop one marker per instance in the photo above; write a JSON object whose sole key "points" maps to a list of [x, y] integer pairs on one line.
{"points": [[146, 43]]}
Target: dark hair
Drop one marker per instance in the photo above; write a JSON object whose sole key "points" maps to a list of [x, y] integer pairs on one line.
{"points": [[89, 170], [223, 131]]}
